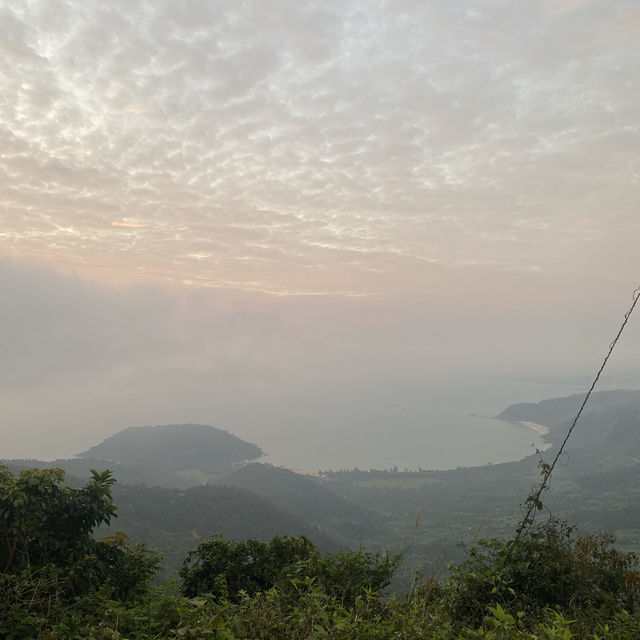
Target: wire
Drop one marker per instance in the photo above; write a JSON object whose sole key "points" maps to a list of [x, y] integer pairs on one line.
{"points": [[533, 500]]}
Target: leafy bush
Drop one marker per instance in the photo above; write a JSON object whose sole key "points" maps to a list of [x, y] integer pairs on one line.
{"points": [[546, 567], [232, 570], [42, 522], [126, 569], [48, 555], [347, 576], [544, 584]]}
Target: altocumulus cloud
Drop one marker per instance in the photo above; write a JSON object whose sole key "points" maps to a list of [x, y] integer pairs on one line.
{"points": [[320, 147]]}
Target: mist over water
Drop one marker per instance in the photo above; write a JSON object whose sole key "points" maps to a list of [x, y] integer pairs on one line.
{"points": [[412, 427], [436, 425]]}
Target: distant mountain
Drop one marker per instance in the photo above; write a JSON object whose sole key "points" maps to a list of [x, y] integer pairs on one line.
{"points": [[558, 412], [174, 448]]}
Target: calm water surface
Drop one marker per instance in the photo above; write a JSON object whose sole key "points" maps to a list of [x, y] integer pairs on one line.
{"points": [[426, 426]]}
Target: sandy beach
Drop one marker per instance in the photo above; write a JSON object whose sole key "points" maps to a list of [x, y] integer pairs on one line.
{"points": [[540, 428]]}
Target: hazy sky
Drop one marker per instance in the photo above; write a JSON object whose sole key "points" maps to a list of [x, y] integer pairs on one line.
{"points": [[213, 205]]}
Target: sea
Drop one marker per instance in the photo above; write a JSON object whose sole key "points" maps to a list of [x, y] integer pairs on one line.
{"points": [[443, 424]]}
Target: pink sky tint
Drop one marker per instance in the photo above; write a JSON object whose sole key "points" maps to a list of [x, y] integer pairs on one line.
{"points": [[255, 197]]}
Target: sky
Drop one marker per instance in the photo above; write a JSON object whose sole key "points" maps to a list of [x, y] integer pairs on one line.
{"points": [[212, 210]]}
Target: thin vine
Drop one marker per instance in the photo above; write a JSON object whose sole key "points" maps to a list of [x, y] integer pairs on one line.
{"points": [[533, 503]]}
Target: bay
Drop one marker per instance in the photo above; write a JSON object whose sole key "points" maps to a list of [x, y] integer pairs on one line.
{"points": [[409, 425]]}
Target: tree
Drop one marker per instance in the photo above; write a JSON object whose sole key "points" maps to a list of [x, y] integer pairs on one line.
{"points": [[230, 569], [225, 568], [346, 576], [43, 522], [546, 567]]}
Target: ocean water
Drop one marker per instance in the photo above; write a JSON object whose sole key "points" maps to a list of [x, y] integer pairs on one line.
{"points": [[433, 425]]}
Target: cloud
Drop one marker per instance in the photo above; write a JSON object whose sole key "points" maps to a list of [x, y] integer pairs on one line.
{"points": [[319, 147], [129, 224]]}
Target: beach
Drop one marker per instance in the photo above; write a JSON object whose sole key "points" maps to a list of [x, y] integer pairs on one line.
{"points": [[540, 429]]}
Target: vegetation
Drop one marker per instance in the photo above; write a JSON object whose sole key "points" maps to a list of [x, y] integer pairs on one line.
{"points": [[58, 582], [234, 570], [546, 568], [45, 523], [175, 521], [176, 455], [283, 569], [425, 514], [307, 499]]}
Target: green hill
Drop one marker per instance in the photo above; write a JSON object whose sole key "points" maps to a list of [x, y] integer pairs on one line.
{"points": [[174, 448], [175, 521], [308, 499]]}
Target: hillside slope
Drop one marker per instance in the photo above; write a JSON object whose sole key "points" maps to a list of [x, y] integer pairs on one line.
{"points": [[174, 448], [607, 437], [175, 521], [308, 499]]}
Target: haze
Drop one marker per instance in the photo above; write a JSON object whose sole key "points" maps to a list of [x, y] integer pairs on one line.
{"points": [[250, 214]]}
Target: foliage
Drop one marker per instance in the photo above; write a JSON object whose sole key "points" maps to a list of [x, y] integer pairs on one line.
{"points": [[126, 569], [230, 569], [307, 612], [42, 522], [233, 570], [47, 548], [163, 614], [171, 520], [347, 576], [545, 567], [547, 584], [174, 447]]}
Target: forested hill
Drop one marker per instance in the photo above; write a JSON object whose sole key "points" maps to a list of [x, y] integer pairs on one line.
{"points": [[174, 520], [174, 447], [426, 513], [558, 412], [301, 493], [607, 437], [179, 456], [306, 498]]}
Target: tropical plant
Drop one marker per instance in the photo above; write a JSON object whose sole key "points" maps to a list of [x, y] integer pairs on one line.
{"points": [[43, 522], [233, 570], [229, 569], [545, 567]]}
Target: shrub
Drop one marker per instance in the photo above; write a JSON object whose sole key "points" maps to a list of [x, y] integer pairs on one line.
{"points": [[345, 576], [232, 570], [228, 569], [43, 522], [546, 567], [126, 569]]}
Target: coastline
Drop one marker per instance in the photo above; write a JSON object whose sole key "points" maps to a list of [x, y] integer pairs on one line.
{"points": [[540, 429]]}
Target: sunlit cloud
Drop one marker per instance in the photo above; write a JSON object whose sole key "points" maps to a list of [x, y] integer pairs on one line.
{"points": [[323, 147], [129, 225]]}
